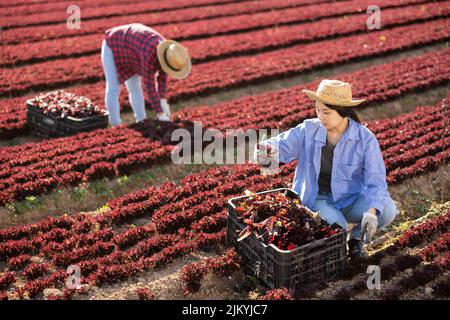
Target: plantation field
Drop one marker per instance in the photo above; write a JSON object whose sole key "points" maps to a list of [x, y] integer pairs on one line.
{"points": [[139, 226]]}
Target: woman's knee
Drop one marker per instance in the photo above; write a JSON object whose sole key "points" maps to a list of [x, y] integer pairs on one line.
{"points": [[133, 85], [330, 213], [388, 214], [112, 91], [136, 94]]}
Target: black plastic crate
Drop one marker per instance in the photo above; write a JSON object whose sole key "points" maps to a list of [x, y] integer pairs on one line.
{"points": [[321, 260], [45, 126]]}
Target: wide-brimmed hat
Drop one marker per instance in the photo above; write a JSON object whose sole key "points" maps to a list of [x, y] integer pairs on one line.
{"points": [[174, 59], [334, 92]]}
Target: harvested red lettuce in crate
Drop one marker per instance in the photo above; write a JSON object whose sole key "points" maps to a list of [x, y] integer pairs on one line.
{"points": [[62, 104], [279, 220]]}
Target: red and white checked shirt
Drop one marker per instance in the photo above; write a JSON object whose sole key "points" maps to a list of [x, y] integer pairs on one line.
{"points": [[134, 50]]}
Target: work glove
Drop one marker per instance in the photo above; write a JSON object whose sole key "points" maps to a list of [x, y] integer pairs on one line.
{"points": [[165, 107], [369, 225], [162, 117], [264, 154]]}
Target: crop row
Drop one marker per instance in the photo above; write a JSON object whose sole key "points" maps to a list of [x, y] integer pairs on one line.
{"points": [[101, 261], [223, 265], [435, 253], [13, 114], [287, 107], [174, 11], [213, 48], [26, 7], [215, 75], [46, 165], [201, 28]]}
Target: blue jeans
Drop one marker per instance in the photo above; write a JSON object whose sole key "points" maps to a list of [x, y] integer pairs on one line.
{"points": [[112, 92], [353, 213]]}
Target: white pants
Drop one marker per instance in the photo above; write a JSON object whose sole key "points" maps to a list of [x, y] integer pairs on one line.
{"points": [[112, 92]]}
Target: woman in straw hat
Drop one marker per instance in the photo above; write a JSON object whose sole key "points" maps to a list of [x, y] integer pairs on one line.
{"points": [[340, 170], [134, 51]]}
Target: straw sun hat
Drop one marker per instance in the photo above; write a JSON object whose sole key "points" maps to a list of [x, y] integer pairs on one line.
{"points": [[334, 92], [174, 59]]}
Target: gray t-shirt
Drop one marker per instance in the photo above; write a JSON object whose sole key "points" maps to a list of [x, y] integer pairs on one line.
{"points": [[326, 166]]}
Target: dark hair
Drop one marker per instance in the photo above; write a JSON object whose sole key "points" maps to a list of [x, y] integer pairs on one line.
{"points": [[345, 112]]}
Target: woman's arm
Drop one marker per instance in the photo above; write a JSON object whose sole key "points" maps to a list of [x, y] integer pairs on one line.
{"points": [[375, 176], [149, 80], [289, 143], [162, 84]]}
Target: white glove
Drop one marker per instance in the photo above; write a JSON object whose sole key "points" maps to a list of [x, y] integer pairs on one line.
{"points": [[369, 225], [162, 117], [165, 107], [264, 153]]}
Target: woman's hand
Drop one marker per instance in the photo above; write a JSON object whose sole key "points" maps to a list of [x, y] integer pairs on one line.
{"points": [[162, 117], [264, 154], [165, 107]]}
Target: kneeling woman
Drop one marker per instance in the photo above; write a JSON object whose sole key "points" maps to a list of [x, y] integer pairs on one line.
{"points": [[340, 170]]}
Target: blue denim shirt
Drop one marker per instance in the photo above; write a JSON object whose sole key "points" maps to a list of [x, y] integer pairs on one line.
{"points": [[358, 164]]}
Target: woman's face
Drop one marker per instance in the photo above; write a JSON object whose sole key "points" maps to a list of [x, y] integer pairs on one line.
{"points": [[330, 118]]}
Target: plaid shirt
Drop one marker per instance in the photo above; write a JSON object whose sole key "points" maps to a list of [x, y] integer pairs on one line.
{"points": [[134, 50]]}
